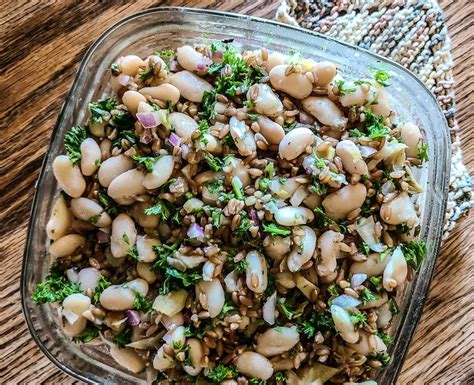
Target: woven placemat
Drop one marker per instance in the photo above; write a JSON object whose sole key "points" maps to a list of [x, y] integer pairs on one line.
{"points": [[412, 33]]}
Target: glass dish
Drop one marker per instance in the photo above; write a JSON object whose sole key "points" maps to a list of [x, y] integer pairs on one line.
{"points": [[163, 28]]}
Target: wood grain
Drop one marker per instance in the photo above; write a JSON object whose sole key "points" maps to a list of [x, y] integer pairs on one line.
{"points": [[41, 44]]}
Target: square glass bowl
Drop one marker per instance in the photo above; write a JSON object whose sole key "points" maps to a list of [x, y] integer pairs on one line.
{"points": [[164, 28]]}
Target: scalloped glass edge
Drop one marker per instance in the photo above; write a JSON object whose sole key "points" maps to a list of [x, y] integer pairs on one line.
{"points": [[140, 33]]}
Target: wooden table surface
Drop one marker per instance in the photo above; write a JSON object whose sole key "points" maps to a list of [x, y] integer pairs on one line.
{"points": [[41, 44]]}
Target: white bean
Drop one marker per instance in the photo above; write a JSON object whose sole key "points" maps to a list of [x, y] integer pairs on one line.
{"points": [[399, 210], [300, 254], [256, 272], [90, 211], [196, 353], [144, 220], [295, 84], [123, 237], [67, 245], [340, 203], [112, 168], [183, 124], [384, 316], [138, 285], [383, 102], [294, 143], [278, 247], [128, 358], [190, 86], [130, 64], [325, 72], [192, 60], [76, 303], [214, 294], [411, 136], [239, 170], [243, 137], [325, 110], [90, 156], [145, 248], [396, 271], [162, 361], [277, 340], [117, 298], [232, 282], [265, 100], [132, 99], [372, 266], [76, 328], [127, 186], [88, 278], [275, 59], [59, 221], [254, 365], [328, 243], [359, 97], [69, 176], [144, 270], [343, 324], [272, 131], [367, 344], [293, 216], [351, 158], [162, 170], [170, 323], [164, 92]]}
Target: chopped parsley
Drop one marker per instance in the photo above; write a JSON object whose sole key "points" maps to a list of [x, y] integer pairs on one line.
{"points": [[274, 229], [145, 75], [422, 151], [107, 203], [101, 110], [146, 161], [141, 303], [102, 284], [123, 338], [165, 54], [367, 296], [375, 125], [72, 143], [213, 162], [320, 321], [343, 90], [380, 76], [162, 208], [90, 333], [221, 372], [414, 253], [208, 104], [358, 319], [386, 339]]}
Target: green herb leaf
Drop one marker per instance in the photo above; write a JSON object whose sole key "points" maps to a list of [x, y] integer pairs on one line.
{"points": [[274, 229], [141, 303], [358, 319], [72, 143], [375, 125], [162, 208], [422, 151], [107, 203], [414, 253], [367, 296], [213, 162], [90, 333], [343, 90], [380, 76], [221, 372], [165, 54], [123, 338], [146, 161], [102, 284], [208, 104], [387, 340]]}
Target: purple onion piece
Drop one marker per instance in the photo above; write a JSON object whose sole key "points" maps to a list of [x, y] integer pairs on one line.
{"points": [[102, 237], [132, 318], [253, 215], [148, 119], [196, 231], [175, 140], [123, 79]]}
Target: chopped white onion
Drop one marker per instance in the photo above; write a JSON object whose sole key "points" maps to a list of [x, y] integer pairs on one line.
{"points": [[367, 151], [358, 279], [195, 231], [346, 301], [366, 229], [123, 79], [300, 194], [70, 316], [269, 309]]}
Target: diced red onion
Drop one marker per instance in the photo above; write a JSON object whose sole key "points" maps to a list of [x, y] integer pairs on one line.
{"points": [[268, 310], [253, 215], [358, 279], [175, 140], [387, 187], [123, 79], [102, 237], [196, 231], [201, 67], [132, 318], [367, 151], [308, 164], [346, 301], [149, 119], [217, 55]]}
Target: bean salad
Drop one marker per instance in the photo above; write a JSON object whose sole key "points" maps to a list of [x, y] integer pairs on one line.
{"points": [[237, 217]]}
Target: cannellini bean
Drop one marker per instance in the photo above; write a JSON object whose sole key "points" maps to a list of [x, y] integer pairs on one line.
{"points": [[274, 59], [293, 216], [76, 328], [399, 210], [76, 303], [383, 102], [90, 156], [68, 176], [178, 338], [325, 72], [325, 110], [254, 365], [196, 354], [295, 84], [328, 243], [340, 203], [312, 201], [123, 237], [162, 170], [359, 97], [286, 279], [277, 340], [368, 343], [88, 278], [145, 248], [278, 247], [162, 361], [117, 298], [138, 285], [373, 266], [243, 137], [190, 86], [396, 271], [384, 316], [343, 324], [132, 99], [127, 186], [300, 254], [164, 92], [284, 190], [232, 282], [265, 100], [411, 136], [239, 170], [145, 271], [351, 158], [295, 142], [59, 221], [214, 294], [130, 64], [90, 211], [272, 131], [128, 358], [170, 323], [144, 220], [183, 124], [112, 168], [192, 60], [67, 245], [256, 272]]}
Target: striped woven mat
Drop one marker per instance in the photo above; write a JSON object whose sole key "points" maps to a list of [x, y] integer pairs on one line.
{"points": [[412, 33]]}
